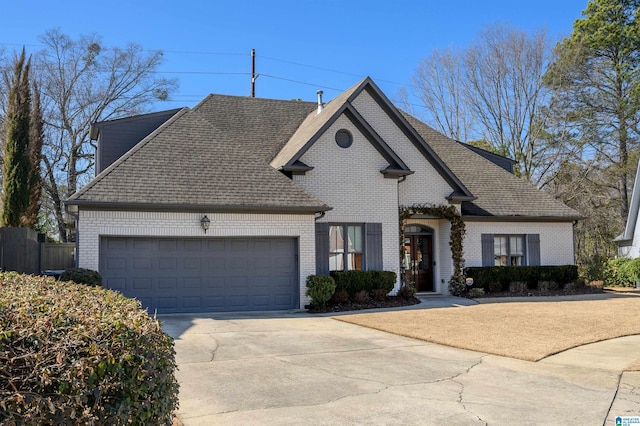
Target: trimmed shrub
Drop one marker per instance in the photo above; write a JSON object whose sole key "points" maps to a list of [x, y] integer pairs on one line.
{"points": [[361, 297], [82, 276], [74, 354], [339, 297], [490, 278], [356, 281], [385, 280], [407, 291], [320, 288], [476, 292], [380, 294]]}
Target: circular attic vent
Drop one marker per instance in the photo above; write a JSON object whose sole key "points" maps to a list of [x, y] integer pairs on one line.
{"points": [[344, 139]]}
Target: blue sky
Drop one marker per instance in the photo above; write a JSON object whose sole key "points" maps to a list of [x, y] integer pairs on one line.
{"points": [[301, 45]]}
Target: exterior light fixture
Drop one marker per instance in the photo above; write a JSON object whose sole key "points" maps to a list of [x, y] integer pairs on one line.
{"points": [[204, 222]]}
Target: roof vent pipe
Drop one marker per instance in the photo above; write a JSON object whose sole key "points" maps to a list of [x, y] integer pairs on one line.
{"points": [[320, 104]]}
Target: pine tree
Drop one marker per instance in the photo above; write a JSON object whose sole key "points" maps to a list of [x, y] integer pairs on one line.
{"points": [[17, 166]]}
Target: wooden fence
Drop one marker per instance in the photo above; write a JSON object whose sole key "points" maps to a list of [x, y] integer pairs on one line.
{"points": [[56, 256], [23, 250]]}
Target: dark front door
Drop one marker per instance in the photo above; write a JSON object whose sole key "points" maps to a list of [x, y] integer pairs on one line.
{"points": [[419, 261]]}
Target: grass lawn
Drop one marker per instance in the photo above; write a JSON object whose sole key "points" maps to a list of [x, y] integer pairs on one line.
{"points": [[524, 330]]}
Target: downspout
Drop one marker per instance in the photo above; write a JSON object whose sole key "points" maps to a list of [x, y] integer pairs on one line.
{"points": [[321, 215]]}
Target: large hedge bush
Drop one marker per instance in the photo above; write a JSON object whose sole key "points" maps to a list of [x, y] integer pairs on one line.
{"points": [[498, 278], [622, 272], [74, 354]]}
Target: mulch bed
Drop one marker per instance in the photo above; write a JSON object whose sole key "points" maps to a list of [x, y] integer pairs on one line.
{"points": [[396, 301], [391, 302], [534, 293]]}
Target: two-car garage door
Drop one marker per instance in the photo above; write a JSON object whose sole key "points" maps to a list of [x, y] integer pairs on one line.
{"points": [[203, 274]]}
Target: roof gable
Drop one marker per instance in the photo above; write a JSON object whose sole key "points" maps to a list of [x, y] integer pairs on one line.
{"points": [[317, 123]]}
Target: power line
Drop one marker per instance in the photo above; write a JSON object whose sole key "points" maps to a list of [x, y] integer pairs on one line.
{"points": [[302, 82]]}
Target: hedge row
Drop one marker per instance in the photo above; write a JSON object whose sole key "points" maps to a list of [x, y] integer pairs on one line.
{"points": [[340, 287], [498, 278], [356, 281], [75, 354]]}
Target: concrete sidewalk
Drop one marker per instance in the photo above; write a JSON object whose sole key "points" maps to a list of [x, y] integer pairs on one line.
{"points": [[295, 368]]}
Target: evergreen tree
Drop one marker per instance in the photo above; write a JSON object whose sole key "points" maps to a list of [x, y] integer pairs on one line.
{"points": [[36, 139], [596, 80], [17, 167]]}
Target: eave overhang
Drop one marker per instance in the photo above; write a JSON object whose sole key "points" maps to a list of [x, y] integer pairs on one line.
{"points": [[212, 208]]}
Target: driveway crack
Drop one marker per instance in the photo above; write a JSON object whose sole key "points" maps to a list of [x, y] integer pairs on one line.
{"points": [[461, 393]]}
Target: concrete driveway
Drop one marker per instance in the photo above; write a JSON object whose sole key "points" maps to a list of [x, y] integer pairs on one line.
{"points": [[294, 368]]}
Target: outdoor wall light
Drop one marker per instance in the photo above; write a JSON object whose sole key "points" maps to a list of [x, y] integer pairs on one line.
{"points": [[204, 222]]}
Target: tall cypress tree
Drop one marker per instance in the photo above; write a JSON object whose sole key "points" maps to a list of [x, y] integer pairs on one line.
{"points": [[17, 166], [36, 139]]}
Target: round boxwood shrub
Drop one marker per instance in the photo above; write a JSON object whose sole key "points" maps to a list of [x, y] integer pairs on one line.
{"points": [[320, 288], [82, 276], [75, 354]]}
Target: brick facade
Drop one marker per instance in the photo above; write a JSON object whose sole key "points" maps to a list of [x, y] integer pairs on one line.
{"points": [[349, 180]]}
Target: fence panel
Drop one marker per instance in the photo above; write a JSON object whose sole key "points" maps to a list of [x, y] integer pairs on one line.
{"points": [[54, 256], [19, 250]]}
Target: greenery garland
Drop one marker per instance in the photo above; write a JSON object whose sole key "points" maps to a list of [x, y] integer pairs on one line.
{"points": [[458, 230]]}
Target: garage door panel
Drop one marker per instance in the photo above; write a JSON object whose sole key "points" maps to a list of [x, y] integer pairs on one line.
{"points": [[192, 263], [192, 245], [167, 283], [163, 303], [167, 245], [115, 283], [214, 303], [208, 274], [117, 263], [192, 302], [167, 263], [142, 284], [192, 282], [142, 263]]}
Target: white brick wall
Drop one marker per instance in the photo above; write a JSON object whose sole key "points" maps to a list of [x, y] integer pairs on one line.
{"points": [[94, 224], [349, 180], [425, 185], [556, 240]]}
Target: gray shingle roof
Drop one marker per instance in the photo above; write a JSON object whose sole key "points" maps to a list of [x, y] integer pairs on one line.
{"points": [[498, 192], [262, 126], [217, 156], [187, 163]]}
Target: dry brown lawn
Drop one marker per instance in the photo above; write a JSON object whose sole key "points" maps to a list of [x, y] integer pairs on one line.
{"points": [[525, 330]]}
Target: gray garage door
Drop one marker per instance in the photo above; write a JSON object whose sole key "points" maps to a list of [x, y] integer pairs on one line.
{"points": [[200, 275]]}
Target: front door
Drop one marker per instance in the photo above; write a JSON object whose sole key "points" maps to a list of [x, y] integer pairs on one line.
{"points": [[418, 251]]}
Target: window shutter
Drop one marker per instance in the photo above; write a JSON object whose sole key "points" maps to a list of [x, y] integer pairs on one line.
{"points": [[373, 249], [487, 249], [322, 248], [533, 249]]}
